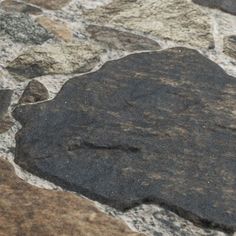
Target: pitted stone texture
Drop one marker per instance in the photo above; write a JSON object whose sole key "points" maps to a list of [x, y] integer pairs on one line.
{"points": [[55, 59], [60, 30], [120, 40], [230, 46], [34, 92], [27, 210], [152, 127], [49, 4], [224, 5], [5, 100], [176, 20], [14, 6], [21, 28]]}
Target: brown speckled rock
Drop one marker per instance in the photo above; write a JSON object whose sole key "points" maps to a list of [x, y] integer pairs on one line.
{"points": [[175, 20], [49, 4], [34, 92], [55, 59], [5, 100], [230, 46], [121, 40], [29, 211], [14, 6]]}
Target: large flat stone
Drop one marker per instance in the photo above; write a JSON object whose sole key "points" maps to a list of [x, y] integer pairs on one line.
{"points": [[5, 100], [152, 127], [27, 210], [224, 5], [175, 20]]}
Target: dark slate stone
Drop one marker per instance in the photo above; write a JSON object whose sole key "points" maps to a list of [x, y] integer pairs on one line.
{"points": [[224, 5], [22, 28], [34, 92], [5, 100], [156, 127]]}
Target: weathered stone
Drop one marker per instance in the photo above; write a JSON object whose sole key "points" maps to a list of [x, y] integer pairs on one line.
{"points": [[230, 46], [224, 5], [27, 210], [14, 6], [34, 92], [176, 20], [60, 30], [22, 28], [49, 4], [152, 127], [5, 100], [55, 59], [116, 39]]}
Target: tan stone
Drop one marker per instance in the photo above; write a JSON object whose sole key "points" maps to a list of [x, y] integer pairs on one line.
{"points": [[55, 59], [230, 46], [60, 30], [29, 211], [49, 4], [176, 20]]}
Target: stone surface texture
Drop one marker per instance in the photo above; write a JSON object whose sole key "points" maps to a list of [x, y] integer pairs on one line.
{"points": [[5, 100], [15, 6], [120, 40], [50, 4], [152, 127], [21, 28], [27, 210], [55, 59], [177, 20], [34, 92], [230, 46], [224, 5]]}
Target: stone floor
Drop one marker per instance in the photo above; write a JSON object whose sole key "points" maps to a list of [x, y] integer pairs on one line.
{"points": [[117, 117]]}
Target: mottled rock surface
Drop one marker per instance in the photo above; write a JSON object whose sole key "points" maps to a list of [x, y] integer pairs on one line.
{"points": [[55, 59], [152, 127], [27, 210], [22, 28], [14, 6], [34, 92], [49, 4], [5, 100], [120, 40], [176, 20], [224, 5], [230, 46], [60, 30]]}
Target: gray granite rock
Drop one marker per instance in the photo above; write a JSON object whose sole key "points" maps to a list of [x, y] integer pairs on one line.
{"points": [[22, 28], [149, 128], [34, 92], [224, 5]]}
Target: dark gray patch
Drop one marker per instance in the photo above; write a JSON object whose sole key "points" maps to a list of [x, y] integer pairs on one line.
{"points": [[149, 128]]}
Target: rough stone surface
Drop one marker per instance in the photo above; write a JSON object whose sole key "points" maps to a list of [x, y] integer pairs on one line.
{"points": [[27, 210], [50, 4], [34, 92], [120, 40], [60, 30], [230, 46], [152, 127], [224, 5], [22, 28], [55, 59], [176, 20], [5, 100], [14, 6]]}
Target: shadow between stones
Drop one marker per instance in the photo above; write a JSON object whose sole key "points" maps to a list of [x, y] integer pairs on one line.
{"points": [[152, 127]]}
